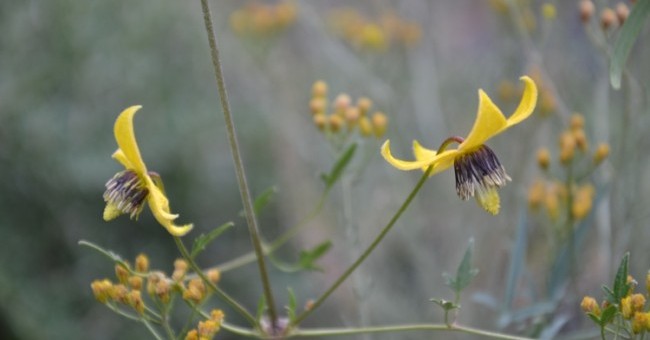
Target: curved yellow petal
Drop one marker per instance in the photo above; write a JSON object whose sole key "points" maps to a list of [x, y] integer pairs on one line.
{"points": [[125, 137], [442, 161], [527, 103], [404, 165], [119, 156], [489, 121], [159, 205], [422, 153]]}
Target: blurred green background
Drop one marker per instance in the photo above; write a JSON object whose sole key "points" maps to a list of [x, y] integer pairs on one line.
{"points": [[67, 68]]}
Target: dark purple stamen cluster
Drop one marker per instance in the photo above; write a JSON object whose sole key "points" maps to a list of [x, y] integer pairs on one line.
{"points": [[476, 170], [126, 192]]}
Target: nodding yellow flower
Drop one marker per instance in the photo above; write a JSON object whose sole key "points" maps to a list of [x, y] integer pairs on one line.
{"points": [[128, 190], [478, 170]]}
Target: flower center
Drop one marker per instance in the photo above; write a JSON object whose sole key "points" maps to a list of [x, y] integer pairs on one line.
{"points": [[478, 170], [125, 193]]}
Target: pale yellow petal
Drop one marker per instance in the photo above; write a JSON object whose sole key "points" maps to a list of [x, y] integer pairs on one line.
{"points": [[422, 153], [404, 165], [489, 121], [159, 205], [119, 156], [111, 212], [125, 137], [442, 162], [527, 103]]}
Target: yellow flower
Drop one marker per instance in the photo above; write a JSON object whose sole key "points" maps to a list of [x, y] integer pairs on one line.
{"points": [[477, 167], [128, 190]]}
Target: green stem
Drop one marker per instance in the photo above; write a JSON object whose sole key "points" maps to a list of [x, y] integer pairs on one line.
{"points": [[239, 166], [227, 298], [275, 245], [164, 318], [152, 330], [403, 328], [366, 253]]}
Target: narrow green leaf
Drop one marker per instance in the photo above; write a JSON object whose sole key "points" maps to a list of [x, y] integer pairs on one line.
{"points": [[628, 35], [262, 200], [621, 286], [261, 307], [202, 241], [607, 315], [444, 304], [308, 258], [291, 309], [609, 294], [465, 273], [595, 318], [339, 166]]}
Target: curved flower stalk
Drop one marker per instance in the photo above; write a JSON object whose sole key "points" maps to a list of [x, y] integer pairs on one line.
{"points": [[129, 190], [478, 170]]}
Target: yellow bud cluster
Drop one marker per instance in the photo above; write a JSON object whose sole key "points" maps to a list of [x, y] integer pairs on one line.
{"points": [[259, 20], [374, 35], [207, 329], [589, 305], [195, 291], [582, 201], [180, 269], [346, 115], [105, 291]]}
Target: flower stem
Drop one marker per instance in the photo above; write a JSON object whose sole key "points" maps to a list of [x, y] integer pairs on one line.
{"points": [[403, 328], [367, 252], [227, 298], [239, 167]]}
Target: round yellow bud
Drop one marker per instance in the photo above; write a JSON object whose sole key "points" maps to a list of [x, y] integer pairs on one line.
{"points": [[364, 104], [320, 120], [214, 275], [352, 115], [622, 12], [608, 19], [589, 305], [319, 89], [142, 263], [365, 126], [536, 194], [135, 282], [587, 10], [317, 105], [602, 151], [341, 103], [379, 124], [567, 147], [102, 290], [581, 139], [122, 273], [335, 123], [577, 121], [543, 158]]}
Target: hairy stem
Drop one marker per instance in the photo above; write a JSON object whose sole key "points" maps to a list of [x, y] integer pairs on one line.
{"points": [[239, 166]]}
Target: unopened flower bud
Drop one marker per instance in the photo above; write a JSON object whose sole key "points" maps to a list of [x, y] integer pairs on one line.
{"points": [[180, 269], [543, 158], [622, 12], [567, 147], [365, 126], [217, 315], [640, 322], [195, 291], [192, 335], [142, 263], [379, 124], [122, 273], [214, 275], [536, 194], [608, 19], [587, 10], [364, 104], [163, 290], [309, 304], [317, 106], [589, 305], [319, 89], [135, 282], [102, 289], [207, 329], [638, 302], [602, 151], [352, 116], [577, 121], [582, 202], [341, 103], [581, 139], [626, 307], [120, 293], [135, 301], [320, 120], [335, 123]]}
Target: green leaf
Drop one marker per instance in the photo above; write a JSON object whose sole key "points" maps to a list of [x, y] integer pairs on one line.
{"points": [[465, 272], [444, 304], [621, 287], [628, 35], [262, 200], [291, 309], [339, 166], [595, 318], [261, 307], [607, 315], [307, 259], [202, 241]]}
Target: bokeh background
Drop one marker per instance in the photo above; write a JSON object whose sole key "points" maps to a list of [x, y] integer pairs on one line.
{"points": [[67, 68]]}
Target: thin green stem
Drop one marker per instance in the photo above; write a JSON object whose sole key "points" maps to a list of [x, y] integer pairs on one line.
{"points": [[403, 328], [239, 166], [227, 298], [367, 252], [273, 246], [164, 319], [151, 329]]}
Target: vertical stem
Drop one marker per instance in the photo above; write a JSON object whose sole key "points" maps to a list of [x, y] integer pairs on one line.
{"points": [[368, 250], [239, 167]]}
